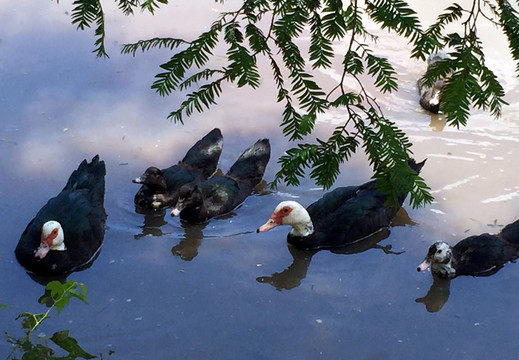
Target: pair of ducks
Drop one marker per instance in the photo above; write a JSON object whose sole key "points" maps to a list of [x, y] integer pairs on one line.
{"points": [[476, 255], [190, 188]]}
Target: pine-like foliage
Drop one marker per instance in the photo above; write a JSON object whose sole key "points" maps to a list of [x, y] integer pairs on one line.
{"points": [[271, 29]]}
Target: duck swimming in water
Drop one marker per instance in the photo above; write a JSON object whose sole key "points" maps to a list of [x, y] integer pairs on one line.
{"points": [[160, 186], [430, 97], [340, 217], [68, 231], [221, 194], [476, 255]]}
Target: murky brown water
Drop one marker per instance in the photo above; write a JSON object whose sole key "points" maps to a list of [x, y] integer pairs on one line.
{"points": [[160, 288]]}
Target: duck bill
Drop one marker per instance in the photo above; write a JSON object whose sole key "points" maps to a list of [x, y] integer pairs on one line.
{"points": [[139, 180], [42, 251], [424, 265], [271, 223]]}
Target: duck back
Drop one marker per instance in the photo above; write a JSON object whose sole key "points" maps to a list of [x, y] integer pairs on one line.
{"points": [[345, 215], [481, 255], [213, 197], [348, 214], [510, 233]]}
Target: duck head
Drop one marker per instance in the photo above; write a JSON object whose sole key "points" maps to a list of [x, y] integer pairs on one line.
{"points": [[290, 213], [153, 178], [51, 239], [439, 259], [189, 195]]}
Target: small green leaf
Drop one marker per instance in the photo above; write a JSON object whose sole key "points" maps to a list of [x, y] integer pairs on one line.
{"points": [[68, 343]]}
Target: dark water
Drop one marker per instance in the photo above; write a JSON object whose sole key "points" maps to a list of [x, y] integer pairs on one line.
{"points": [[160, 289]]}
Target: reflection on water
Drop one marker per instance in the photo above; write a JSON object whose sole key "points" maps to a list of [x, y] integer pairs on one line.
{"points": [[291, 277], [153, 220], [108, 108], [438, 122], [437, 294], [188, 246]]}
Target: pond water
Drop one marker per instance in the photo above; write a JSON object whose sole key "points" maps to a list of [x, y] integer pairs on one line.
{"points": [[161, 289]]}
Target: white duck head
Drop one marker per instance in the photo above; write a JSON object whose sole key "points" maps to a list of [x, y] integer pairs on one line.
{"points": [[290, 213], [439, 259], [52, 238]]}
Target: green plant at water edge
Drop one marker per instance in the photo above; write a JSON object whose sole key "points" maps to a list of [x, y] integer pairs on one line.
{"points": [[58, 295], [270, 31]]}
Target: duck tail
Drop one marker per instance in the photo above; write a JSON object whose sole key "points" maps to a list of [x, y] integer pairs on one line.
{"points": [[416, 166], [251, 164], [91, 176], [205, 153], [510, 233]]}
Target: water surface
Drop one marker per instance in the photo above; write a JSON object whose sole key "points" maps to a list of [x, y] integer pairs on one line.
{"points": [[160, 288]]}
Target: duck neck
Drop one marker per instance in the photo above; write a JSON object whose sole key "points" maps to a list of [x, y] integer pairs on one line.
{"points": [[444, 270], [303, 229]]}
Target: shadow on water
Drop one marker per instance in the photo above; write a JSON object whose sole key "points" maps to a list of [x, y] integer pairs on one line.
{"points": [[187, 248], [439, 291], [153, 220], [437, 295], [291, 277], [438, 122]]}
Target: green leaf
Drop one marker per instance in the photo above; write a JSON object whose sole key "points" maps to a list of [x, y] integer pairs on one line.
{"points": [[321, 51], [385, 75], [334, 26], [87, 12], [198, 100], [152, 5], [68, 343], [510, 24], [395, 15], [30, 321], [146, 45]]}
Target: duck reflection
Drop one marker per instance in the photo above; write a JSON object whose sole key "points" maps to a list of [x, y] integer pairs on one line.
{"points": [[153, 220], [187, 248], [437, 295], [291, 277], [438, 122]]}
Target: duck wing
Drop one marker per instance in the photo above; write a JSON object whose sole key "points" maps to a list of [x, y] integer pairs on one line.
{"points": [[479, 255], [348, 214]]}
